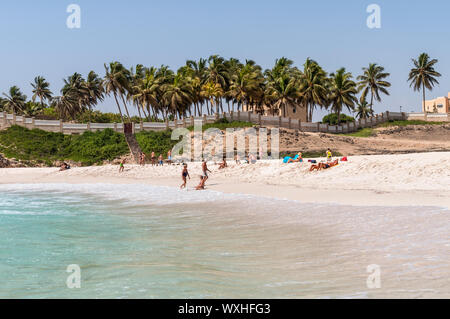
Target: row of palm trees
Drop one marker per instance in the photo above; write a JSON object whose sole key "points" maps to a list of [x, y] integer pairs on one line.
{"points": [[207, 85]]}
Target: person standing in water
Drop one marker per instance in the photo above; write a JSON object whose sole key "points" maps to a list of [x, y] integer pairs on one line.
{"points": [[184, 175]]}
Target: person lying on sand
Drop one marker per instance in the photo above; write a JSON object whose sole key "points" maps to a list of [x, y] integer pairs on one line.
{"points": [[321, 166], [121, 165], [223, 164], [184, 175], [201, 185], [64, 166], [297, 159], [251, 159]]}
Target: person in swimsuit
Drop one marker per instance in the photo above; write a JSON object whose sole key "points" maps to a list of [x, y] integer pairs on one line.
{"points": [[201, 185], [205, 171], [329, 155], [153, 159], [142, 159], [184, 175], [169, 157], [297, 159], [223, 164], [121, 165], [321, 166], [160, 160]]}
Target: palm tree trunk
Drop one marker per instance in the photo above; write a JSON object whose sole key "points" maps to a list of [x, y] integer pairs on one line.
{"points": [[126, 108], [423, 90], [118, 106], [371, 102]]}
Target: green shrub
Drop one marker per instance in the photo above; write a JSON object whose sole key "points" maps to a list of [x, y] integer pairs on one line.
{"points": [[332, 119], [158, 142]]}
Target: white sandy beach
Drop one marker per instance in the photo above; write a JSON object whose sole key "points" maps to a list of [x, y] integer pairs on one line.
{"points": [[383, 180]]}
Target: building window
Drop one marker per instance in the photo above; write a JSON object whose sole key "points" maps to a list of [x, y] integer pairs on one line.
{"points": [[440, 106]]}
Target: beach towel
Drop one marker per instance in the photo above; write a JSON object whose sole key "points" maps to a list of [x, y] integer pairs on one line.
{"points": [[287, 158]]}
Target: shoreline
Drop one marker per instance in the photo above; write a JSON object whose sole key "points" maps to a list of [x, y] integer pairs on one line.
{"points": [[376, 180]]}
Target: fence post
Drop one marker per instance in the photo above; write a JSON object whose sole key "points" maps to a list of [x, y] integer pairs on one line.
{"points": [[14, 119], [299, 124], [289, 123], [231, 116], [192, 120], [387, 115], [89, 127], [141, 126], [239, 115], [61, 127], [175, 122], [184, 121], [204, 119], [167, 124], [318, 126], [403, 116], [217, 117], [249, 117], [33, 122], [3, 123], [259, 120], [115, 127], [133, 128], [279, 121]]}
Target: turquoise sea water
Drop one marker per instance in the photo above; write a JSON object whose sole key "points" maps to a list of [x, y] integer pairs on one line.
{"points": [[134, 241]]}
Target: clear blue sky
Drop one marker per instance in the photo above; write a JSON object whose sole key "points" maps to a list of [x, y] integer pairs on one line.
{"points": [[35, 39]]}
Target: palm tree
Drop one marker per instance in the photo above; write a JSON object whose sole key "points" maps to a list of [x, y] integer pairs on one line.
{"points": [[342, 92], [93, 91], [283, 91], [373, 80], [41, 90], [313, 84], [116, 82], [212, 92], [66, 105], [177, 96], [363, 110], [15, 100], [75, 87], [423, 75]]}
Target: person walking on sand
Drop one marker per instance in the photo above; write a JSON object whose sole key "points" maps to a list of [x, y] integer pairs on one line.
{"points": [[169, 157], [184, 175], [160, 160], [121, 165], [329, 156], [153, 157], [205, 171]]}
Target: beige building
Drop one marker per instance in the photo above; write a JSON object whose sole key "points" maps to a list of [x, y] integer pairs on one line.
{"points": [[438, 105]]}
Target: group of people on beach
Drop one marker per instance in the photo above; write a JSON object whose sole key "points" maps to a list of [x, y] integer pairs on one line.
{"points": [[203, 178], [153, 161]]}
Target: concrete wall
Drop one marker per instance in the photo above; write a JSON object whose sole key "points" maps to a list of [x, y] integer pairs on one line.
{"points": [[6, 120]]}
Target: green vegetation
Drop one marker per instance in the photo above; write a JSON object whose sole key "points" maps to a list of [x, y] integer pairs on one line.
{"points": [[332, 119], [41, 147], [365, 132], [158, 142], [223, 124], [409, 122]]}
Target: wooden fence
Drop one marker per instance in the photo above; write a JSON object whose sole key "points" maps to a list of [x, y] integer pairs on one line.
{"points": [[7, 120]]}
